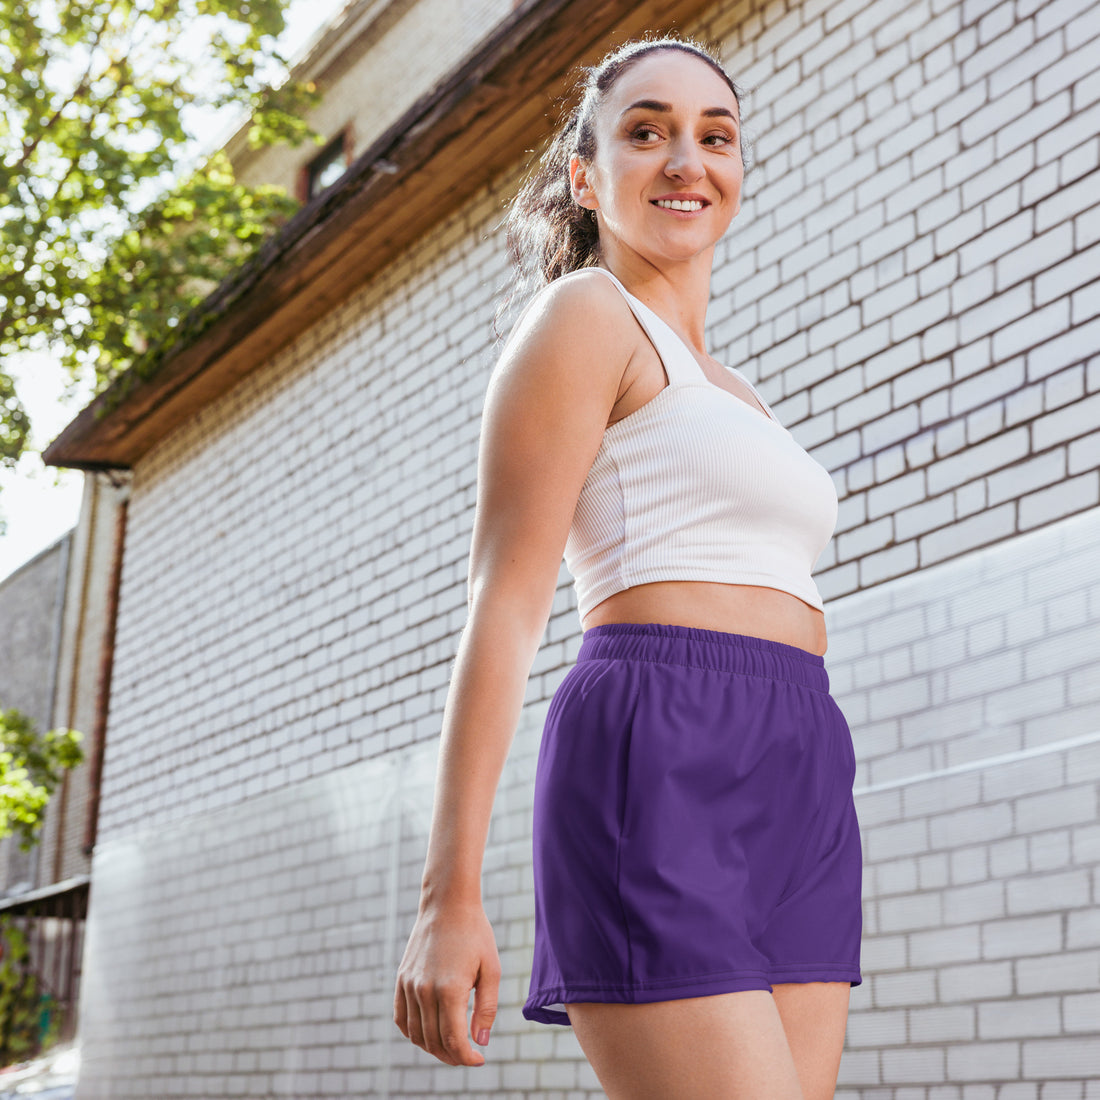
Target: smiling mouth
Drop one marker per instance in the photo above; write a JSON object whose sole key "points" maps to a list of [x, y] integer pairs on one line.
{"points": [[679, 204]]}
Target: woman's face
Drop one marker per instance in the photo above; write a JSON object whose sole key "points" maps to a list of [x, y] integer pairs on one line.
{"points": [[667, 172]]}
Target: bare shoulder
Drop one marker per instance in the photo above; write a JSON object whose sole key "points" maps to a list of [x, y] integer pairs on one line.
{"points": [[580, 321]]}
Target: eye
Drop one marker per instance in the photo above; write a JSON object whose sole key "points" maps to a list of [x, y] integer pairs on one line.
{"points": [[645, 134], [719, 139]]}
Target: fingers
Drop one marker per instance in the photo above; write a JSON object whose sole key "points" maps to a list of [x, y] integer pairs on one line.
{"points": [[434, 1018], [486, 995], [451, 1018]]}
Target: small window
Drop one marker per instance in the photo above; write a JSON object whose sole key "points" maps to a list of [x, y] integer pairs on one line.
{"points": [[327, 167]]}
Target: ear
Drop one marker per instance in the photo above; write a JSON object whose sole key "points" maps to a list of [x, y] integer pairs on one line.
{"points": [[581, 185]]}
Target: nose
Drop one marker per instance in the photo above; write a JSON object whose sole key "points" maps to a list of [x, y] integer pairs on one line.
{"points": [[685, 161]]}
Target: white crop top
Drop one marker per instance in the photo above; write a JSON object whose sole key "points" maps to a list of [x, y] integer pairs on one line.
{"points": [[698, 485]]}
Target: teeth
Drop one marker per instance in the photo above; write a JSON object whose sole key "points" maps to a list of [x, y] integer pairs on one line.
{"points": [[679, 204]]}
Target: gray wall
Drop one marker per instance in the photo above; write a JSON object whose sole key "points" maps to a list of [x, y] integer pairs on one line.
{"points": [[30, 600], [28, 627]]}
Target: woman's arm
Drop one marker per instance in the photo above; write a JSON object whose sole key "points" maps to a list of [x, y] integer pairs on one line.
{"points": [[546, 408]]}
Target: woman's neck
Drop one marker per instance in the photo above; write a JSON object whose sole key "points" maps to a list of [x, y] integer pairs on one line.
{"points": [[677, 293]]}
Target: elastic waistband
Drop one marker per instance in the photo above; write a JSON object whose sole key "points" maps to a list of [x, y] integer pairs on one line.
{"points": [[707, 649]]}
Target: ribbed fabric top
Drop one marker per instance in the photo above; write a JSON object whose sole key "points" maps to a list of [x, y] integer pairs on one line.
{"points": [[698, 485]]}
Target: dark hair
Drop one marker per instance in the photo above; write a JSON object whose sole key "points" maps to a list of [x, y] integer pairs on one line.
{"points": [[547, 232]]}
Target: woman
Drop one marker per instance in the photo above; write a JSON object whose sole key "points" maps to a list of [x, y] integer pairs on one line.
{"points": [[696, 852]]}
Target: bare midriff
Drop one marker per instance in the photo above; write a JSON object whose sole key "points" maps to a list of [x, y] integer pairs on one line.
{"points": [[733, 608]]}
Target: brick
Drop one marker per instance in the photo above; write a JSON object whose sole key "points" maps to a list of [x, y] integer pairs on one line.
{"points": [[996, 242], [1020, 937], [899, 839], [943, 273], [1050, 850], [1084, 27], [978, 530], [921, 315], [991, 455], [1073, 495], [1086, 228], [895, 561], [1067, 422], [1066, 136], [846, 64], [866, 342], [1030, 331], [966, 905], [1056, 13], [1086, 92], [978, 981], [1045, 893], [854, 544], [1034, 1016], [1081, 1012], [875, 1029], [1077, 271], [1043, 251], [1071, 805], [1084, 305], [926, 516], [1064, 350], [1043, 469], [995, 118], [912, 911], [970, 161], [984, 423], [1078, 162], [1084, 453], [989, 316], [1039, 184], [998, 52], [920, 381], [944, 945], [919, 1064], [834, 329], [889, 299], [1047, 1059], [983, 1061], [1062, 71], [914, 987]]}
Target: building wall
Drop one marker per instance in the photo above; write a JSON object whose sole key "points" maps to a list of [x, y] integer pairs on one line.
{"points": [[79, 671], [29, 611], [909, 282], [398, 51]]}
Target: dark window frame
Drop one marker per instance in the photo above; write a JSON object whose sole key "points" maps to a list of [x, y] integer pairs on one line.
{"points": [[335, 152]]}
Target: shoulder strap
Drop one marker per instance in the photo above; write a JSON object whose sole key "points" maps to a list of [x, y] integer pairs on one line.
{"points": [[680, 365], [767, 408]]}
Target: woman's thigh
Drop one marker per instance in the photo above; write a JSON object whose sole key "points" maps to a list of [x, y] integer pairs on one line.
{"points": [[815, 1017], [730, 1046]]}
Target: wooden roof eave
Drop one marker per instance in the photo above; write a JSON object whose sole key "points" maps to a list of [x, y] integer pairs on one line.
{"points": [[472, 126]]}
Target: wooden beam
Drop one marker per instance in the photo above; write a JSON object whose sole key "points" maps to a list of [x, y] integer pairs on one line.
{"points": [[472, 126]]}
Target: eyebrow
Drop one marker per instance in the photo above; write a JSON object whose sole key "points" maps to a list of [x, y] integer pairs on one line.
{"points": [[666, 108]]}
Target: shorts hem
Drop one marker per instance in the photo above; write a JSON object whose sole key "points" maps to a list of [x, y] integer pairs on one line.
{"points": [[672, 989], [816, 972], [665, 989]]}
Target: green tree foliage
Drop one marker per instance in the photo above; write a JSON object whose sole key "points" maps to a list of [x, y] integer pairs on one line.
{"points": [[31, 765], [29, 1021], [109, 235]]}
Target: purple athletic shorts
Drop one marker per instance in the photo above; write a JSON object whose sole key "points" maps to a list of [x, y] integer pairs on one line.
{"points": [[694, 826]]}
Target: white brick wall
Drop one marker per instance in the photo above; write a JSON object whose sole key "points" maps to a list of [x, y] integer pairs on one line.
{"points": [[286, 918], [979, 812], [928, 175], [913, 283]]}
